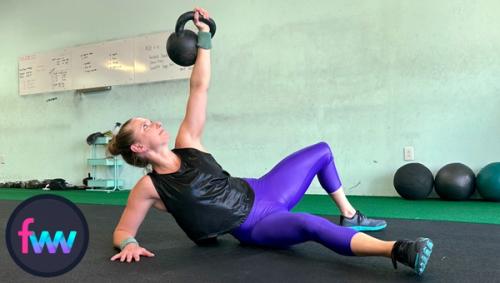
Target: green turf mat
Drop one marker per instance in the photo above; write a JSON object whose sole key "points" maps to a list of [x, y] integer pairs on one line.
{"points": [[85, 197], [475, 211]]}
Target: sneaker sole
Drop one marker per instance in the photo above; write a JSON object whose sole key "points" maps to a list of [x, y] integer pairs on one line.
{"points": [[423, 256], [367, 228]]}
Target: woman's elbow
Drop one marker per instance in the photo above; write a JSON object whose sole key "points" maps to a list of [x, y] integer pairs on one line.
{"points": [[199, 85]]}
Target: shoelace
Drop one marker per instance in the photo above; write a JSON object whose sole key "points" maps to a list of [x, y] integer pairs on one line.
{"points": [[361, 217]]}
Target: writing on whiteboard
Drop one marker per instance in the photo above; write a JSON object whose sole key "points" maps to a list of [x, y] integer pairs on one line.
{"points": [[87, 62], [58, 78], [60, 61], [140, 59], [114, 62]]}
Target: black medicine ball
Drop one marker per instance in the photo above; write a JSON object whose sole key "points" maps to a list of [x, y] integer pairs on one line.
{"points": [[455, 181], [413, 181]]}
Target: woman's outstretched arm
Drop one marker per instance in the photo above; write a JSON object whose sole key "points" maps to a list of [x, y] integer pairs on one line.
{"points": [[191, 129], [138, 204]]}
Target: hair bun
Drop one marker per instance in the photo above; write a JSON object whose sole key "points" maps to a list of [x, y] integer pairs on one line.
{"points": [[112, 147]]}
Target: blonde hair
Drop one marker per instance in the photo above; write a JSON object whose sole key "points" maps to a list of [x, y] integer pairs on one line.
{"points": [[120, 145]]}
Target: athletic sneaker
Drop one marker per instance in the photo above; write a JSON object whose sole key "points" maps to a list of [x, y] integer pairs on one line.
{"points": [[359, 222], [414, 254]]}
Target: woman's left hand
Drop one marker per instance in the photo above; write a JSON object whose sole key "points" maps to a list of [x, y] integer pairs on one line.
{"points": [[200, 12], [132, 252]]}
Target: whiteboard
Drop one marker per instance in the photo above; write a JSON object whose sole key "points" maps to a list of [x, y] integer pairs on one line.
{"points": [[152, 63], [119, 61], [103, 64], [28, 82], [45, 72], [140, 59], [89, 66], [58, 65]]}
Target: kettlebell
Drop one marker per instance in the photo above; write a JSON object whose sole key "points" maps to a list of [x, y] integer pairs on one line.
{"points": [[181, 45]]}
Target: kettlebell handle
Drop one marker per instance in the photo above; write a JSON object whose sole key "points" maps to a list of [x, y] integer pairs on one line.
{"points": [[189, 16]]}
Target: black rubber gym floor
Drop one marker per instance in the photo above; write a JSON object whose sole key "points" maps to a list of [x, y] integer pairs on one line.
{"points": [[463, 252]]}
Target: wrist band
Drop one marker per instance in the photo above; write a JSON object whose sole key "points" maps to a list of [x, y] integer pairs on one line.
{"points": [[127, 241], [204, 40]]}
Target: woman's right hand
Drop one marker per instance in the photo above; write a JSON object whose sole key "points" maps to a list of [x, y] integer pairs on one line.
{"points": [[200, 12], [132, 251]]}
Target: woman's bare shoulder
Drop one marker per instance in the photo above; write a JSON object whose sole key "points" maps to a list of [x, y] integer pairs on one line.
{"points": [[145, 188]]}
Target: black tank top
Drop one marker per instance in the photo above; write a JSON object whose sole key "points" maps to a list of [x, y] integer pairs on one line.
{"points": [[203, 198]]}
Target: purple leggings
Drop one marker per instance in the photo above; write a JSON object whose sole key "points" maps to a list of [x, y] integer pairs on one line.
{"points": [[270, 222]]}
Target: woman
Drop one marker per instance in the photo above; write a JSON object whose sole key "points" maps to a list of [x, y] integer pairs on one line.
{"points": [[206, 201]]}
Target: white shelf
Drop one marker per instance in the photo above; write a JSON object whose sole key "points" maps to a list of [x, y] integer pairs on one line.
{"points": [[107, 185], [104, 162], [102, 140]]}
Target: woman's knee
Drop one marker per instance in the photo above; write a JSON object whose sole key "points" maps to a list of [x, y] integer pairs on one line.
{"points": [[324, 149]]}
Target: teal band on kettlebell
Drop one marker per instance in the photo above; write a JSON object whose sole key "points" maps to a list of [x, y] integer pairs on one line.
{"points": [[204, 40], [127, 241]]}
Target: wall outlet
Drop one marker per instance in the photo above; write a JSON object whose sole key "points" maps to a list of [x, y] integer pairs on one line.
{"points": [[409, 153]]}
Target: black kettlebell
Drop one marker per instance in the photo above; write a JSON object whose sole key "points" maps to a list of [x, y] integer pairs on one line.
{"points": [[181, 45]]}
